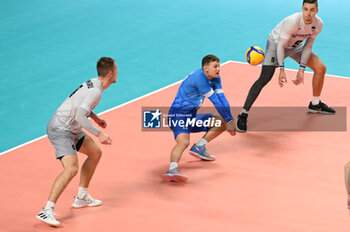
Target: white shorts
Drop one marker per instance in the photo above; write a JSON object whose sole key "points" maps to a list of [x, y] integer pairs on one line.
{"points": [[65, 142], [271, 53]]}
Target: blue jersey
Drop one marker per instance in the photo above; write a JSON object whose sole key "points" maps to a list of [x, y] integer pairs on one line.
{"points": [[191, 92]]}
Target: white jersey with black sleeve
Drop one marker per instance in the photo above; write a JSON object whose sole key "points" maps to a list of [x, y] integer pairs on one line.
{"points": [[84, 98]]}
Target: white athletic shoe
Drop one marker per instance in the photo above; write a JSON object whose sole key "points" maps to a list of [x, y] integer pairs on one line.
{"points": [[48, 216], [86, 201]]}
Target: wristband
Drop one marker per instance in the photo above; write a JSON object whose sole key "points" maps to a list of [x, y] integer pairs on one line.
{"points": [[302, 66]]}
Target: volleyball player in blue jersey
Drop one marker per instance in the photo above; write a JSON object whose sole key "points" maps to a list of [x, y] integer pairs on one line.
{"points": [[183, 117]]}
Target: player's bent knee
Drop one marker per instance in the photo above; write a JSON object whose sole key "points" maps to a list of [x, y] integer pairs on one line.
{"points": [[98, 152], [185, 143], [72, 170], [323, 68], [183, 140], [320, 68]]}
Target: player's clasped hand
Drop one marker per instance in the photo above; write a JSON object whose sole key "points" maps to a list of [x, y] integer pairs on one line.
{"points": [[104, 139], [231, 128]]}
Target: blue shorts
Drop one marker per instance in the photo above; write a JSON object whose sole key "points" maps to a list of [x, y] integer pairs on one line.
{"points": [[175, 119]]}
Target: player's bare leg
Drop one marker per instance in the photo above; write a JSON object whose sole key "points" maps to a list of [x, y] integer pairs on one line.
{"points": [[319, 68], [182, 142], [70, 169], [94, 153], [174, 174]]}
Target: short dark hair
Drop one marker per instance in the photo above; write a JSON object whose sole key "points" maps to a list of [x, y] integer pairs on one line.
{"points": [[104, 65], [310, 1], [209, 58]]}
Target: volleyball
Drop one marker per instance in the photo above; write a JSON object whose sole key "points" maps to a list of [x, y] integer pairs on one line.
{"points": [[254, 55]]}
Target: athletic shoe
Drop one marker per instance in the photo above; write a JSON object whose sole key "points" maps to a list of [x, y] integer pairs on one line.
{"points": [[175, 175], [320, 108], [242, 122], [48, 216], [86, 201], [201, 152]]}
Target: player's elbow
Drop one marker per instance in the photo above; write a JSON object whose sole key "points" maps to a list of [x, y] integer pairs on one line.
{"points": [[80, 117]]}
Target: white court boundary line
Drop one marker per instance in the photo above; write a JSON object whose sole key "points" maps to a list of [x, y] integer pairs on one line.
{"points": [[146, 95]]}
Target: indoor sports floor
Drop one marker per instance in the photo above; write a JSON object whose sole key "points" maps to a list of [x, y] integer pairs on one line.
{"points": [[273, 178]]}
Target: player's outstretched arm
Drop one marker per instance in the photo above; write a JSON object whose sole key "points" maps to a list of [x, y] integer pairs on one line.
{"points": [[223, 111], [231, 125]]}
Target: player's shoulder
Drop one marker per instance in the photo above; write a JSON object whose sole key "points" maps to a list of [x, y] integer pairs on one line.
{"points": [[318, 20], [94, 86], [294, 18], [195, 75], [198, 72], [93, 82]]}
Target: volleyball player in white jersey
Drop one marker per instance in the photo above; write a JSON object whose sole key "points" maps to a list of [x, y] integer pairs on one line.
{"points": [[286, 39], [65, 134]]}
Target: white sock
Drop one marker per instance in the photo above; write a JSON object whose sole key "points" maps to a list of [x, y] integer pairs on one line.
{"points": [[82, 192], [202, 142], [244, 111], [315, 100], [50, 205], [173, 165]]}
